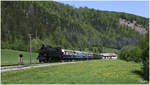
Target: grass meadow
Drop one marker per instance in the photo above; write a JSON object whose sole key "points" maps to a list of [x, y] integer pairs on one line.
{"points": [[82, 72], [9, 57]]}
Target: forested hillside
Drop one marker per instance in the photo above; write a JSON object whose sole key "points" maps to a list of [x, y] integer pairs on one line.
{"points": [[62, 25]]}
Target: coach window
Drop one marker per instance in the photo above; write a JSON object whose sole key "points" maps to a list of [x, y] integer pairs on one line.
{"points": [[66, 53]]}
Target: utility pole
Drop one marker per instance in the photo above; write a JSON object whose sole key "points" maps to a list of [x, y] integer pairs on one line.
{"points": [[30, 48]]}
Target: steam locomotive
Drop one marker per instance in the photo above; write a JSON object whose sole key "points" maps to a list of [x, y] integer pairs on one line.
{"points": [[55, 54]]}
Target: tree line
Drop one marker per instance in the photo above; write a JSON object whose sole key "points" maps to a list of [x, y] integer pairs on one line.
{"points": [[61, 25]]}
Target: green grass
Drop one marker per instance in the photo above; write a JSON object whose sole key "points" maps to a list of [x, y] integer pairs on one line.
{"points": [[9, 57], [88, 72]]}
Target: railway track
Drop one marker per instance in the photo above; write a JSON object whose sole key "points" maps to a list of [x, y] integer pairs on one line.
{"points": [[5, 68], [10, 65]]}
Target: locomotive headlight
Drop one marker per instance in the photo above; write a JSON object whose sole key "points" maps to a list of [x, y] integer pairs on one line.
{"points": [[62, 50]]}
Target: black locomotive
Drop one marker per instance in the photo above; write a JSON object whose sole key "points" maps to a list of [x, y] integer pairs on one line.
{"points": [[49, 54]]}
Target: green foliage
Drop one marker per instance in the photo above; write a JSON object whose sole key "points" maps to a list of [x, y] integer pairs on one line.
{"points": [[100, 48], [131, 53], [64, 26], [144, 45], [36, 44], [138, 53], [5, 45], [87, 72], [96, 49], [110, 50]]}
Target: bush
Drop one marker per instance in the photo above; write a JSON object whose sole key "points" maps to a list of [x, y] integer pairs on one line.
{"points": [[130, 53], [5, 45], [136, 53]]}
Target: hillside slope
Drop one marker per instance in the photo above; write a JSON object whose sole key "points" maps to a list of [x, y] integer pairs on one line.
{"points": [[62, 25], [133, 25]]}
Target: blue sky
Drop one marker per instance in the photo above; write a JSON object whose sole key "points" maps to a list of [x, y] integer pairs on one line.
{"points": [[140, 8]]}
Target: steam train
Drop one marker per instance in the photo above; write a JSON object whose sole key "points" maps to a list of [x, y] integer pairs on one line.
{"points": [[51, 54]]}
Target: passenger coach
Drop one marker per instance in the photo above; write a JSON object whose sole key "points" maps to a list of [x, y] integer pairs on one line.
{"points": [[78, 55]]}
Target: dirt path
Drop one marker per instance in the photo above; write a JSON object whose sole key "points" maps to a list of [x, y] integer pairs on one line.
{"points": [[21, 67]]}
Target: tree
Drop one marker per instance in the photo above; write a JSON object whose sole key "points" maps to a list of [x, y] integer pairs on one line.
{"points": [[36, 44], [144, 45]]}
